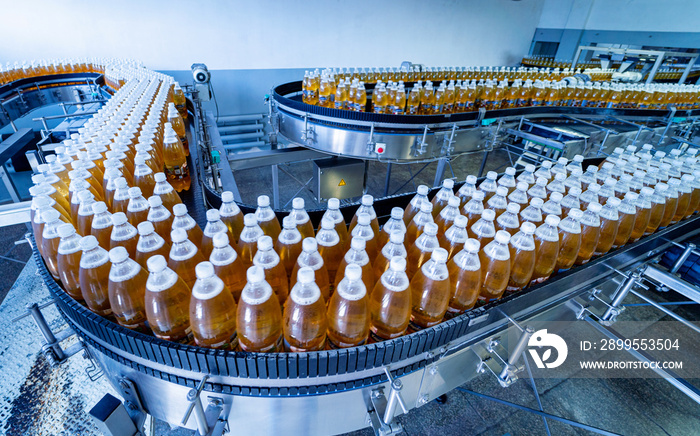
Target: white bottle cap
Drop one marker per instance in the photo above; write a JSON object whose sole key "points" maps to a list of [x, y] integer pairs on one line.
{"points": [[353, 271], [492, 175], [51, 215], [560, 177], [674, 182], [160, 177], [537, 202], [156, 263], [333, 203], [647, 191], [448, 183], [594, 207], [488, 214], [556, 197], [364, 219], [461, 221], [249, 219], [327, 223], [513, 208], [578, 158], [453, 201], [145, 228], [688, 178], [65, 230], [85, 196], [632, 196], [397, 212], [422, 190], [478, 195], [510, 171], [219, 240], [471, 179], [547, 164], [618, 150], [502, 191], [180, 209], [118, 254], [592, 169], [119, 218], [608, 165], [541, 181], [397, 263], [88, 242], [396, 237], [521, 186], [265, 243], [155, 201], [120, 183], [530, 168], [306, 275], [357, 244], [310, 244], [99, 207], [204, 270], [472, 245], [255, 274], [134, 192], [263, 201], [552, 220], [298, 203], [439, 255], [502, 237], [575, 191], [213, 215], [178, 235], [431, 229], [367, 200], [576, 214], [613, 201], [527, 228], [563, 161], [227, 196]]}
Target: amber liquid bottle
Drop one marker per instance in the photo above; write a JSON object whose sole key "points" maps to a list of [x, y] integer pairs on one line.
{"points": [[390, 302], [304, 317]]}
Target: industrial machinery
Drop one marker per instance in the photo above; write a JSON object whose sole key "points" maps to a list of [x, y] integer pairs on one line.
{"points": [[336, 391]]}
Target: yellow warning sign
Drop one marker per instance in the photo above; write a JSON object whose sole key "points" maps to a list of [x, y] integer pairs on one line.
{"points": [[342, 182]]}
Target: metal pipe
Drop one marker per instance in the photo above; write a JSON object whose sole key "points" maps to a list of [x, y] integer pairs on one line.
{"points": [[40, 322], [517, 351], [200, 417], [683, 257], [237, 145], [392, 401], [671, 281], [666, 311], [239, 118], [620, 295]]}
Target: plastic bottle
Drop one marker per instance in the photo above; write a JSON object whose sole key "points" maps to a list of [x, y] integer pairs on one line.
{"points": [[214, 226], [489, 184], [465, 278], [495, 267], [539, 189], [609, 223], [178, 126], [68, 260], [288, 244], [474, 208], [420, 252], [94, 276], [137, 209], [52, 179], [212, 310], [366, 207], [310, 257], [570, 201], [101, 226], [522, 258], [430, 291], [519, 194], [533, 212], [333, 212], [589, 177], [143, 177], [50, 240], [643, 207], [85, 212], [304, 317], [447, 215], [590, 233], [167, 302], [442, 197], [467, 190], [166, 192], [484, 230], [348, 310], [182, 220], [364, 231], [569, 240], [455, 236], [394, 224], [560, 167], [414, 206], [390, 302], [553, 205], [175, 164], [184, 256], [694, 204], [160, 217], [149, 244], [275, 274], [121, 196], [509, 220], [589, 196], [248, 241], [546, 249], [357, 255], [123, 234], [227, 265], [267, 220], [127, 290], [393, 248], [418, 223], [528, 175], [329, 248], [301, 218], [557, 185], [672, 202], [498, 202], [508, 180]]}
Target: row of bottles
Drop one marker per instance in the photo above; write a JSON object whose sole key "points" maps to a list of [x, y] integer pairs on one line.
{"points": [[456, 97], [27, 69]]}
